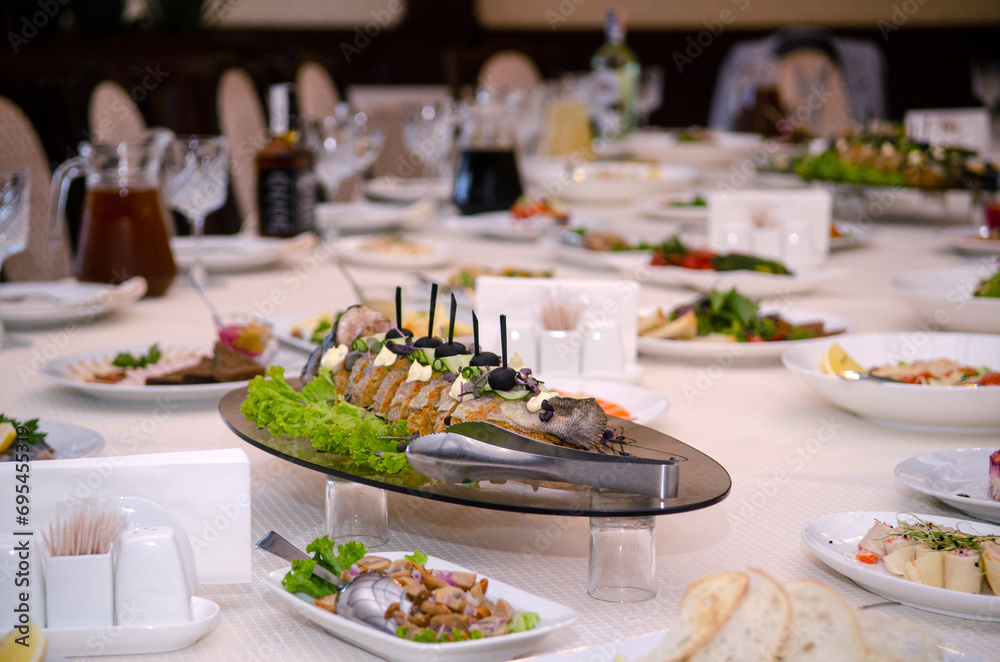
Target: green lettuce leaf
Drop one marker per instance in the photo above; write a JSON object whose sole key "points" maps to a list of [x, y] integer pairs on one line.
{"points": [[301, 580]]}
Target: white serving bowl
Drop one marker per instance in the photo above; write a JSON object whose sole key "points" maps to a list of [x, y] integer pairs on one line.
{"points": [[936, 408], [943, 297]]}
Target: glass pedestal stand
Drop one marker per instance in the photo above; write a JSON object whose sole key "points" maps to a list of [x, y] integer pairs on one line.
{"points": [[356, 512], [622, 559]]}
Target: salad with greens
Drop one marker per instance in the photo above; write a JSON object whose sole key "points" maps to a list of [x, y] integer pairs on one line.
{"points": [[989, 287], [441, 605], [726, 316]]}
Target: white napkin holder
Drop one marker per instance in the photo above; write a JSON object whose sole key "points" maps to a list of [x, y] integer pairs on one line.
{"points": [[603, 344], [789, 226], [967, 128], [208, 492]]}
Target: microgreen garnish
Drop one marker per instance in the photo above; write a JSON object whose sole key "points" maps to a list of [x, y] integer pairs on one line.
{"points": [[126, 360]]}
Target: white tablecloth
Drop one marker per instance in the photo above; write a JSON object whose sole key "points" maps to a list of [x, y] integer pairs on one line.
{"points": [[755, 420]]}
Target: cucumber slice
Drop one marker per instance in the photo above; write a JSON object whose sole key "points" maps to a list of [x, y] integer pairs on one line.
{"points": [[360, 344], [456, 363], [518, 393], [424, 356], [472, 372]]}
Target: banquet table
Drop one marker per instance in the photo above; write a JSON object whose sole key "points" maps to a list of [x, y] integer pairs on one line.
{"points": [[792, 456]]}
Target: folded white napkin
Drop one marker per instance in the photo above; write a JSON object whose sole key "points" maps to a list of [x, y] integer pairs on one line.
{"points": [[208, 492]]}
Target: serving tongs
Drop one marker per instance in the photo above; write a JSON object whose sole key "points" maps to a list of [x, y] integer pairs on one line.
{"points": [[475, 450]]}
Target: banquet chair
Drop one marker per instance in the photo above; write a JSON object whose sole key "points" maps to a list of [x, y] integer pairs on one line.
{"points": [[113, 115], [507, 70], [21, 148], [317, 95], [241, 121], [859, 63]]}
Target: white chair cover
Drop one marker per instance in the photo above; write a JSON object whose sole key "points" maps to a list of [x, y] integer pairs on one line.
{"points": [[317, 95], [241, 120], [508, 70], [21, 148], [113, 115]]}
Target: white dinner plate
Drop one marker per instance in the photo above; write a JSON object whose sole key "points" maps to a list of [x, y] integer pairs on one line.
{"points": [[613, 182], [914, 406], [633, 648], [350, 250], [720, 147], [949, 474], [35, 304], [363, 217], [55, 371], [70, 441], [754, 284], [943, 297], [399, 189], [834, 540], [121, 640], [642, 404], [852, 235], [971, 241], [283, 324], [740, 351], [666, 207], [503, 647], [237, 252], [504, 226]]}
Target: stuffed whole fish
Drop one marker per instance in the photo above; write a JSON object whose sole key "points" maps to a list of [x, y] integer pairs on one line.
{"points": [[431, 386]]}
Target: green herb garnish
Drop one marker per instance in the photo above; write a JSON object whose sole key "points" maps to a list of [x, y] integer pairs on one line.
{"points": [[320, 332], [930, 534], [32, 436], [126, 360]]}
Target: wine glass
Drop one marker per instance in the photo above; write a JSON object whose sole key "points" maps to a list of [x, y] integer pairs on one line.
{"points": [[650, 96], [429, 135], [15, 193], [196, 184]]}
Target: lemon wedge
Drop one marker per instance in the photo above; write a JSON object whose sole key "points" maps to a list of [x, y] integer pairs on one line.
{"points": [[8, 433], [13, 648], [836, 360]]}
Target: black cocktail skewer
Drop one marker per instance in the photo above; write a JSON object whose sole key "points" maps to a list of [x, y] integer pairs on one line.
{"points": [[451, 348], [399, 331], [429, 340], [503, 379], [481, 358]]}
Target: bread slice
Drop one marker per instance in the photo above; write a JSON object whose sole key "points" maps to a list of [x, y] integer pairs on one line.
{"points": [[824, 626], [890, 640], [756, 631], [705, 608]]}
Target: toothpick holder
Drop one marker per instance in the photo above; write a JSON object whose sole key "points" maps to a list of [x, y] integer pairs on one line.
{"points": [[79, 591]]}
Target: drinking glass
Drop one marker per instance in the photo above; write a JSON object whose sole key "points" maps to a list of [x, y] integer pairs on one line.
{"points": [[985, 77], [15, 192], [429, 134], [196, 183], [344, 146]]}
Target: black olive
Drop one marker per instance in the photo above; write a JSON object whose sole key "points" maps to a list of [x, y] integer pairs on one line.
{"points": [[398, 333], [427, 341], [401, 446], [485, 359], [503, 379], [450, 349]]}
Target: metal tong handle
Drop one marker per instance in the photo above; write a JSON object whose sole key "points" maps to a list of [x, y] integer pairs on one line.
{"points": [[274, 543], [454, 458]]}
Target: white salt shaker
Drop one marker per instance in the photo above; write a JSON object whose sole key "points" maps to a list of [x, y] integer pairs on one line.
{"points": [[151, 586]]}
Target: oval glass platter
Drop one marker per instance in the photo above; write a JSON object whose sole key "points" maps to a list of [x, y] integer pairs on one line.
{"points": [[703, 481]]}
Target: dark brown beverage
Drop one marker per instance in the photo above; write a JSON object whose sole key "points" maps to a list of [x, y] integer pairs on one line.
{"points": [[486, 180], [124, 235]]}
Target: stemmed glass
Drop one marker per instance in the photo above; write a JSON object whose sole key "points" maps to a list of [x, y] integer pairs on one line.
{"points": [[196, 183], [429, 135], [986, 86], [650, 96], [15, 193]]}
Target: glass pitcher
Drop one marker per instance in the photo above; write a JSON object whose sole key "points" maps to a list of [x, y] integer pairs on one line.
{"points": [[124, 229], [486, 177]]}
